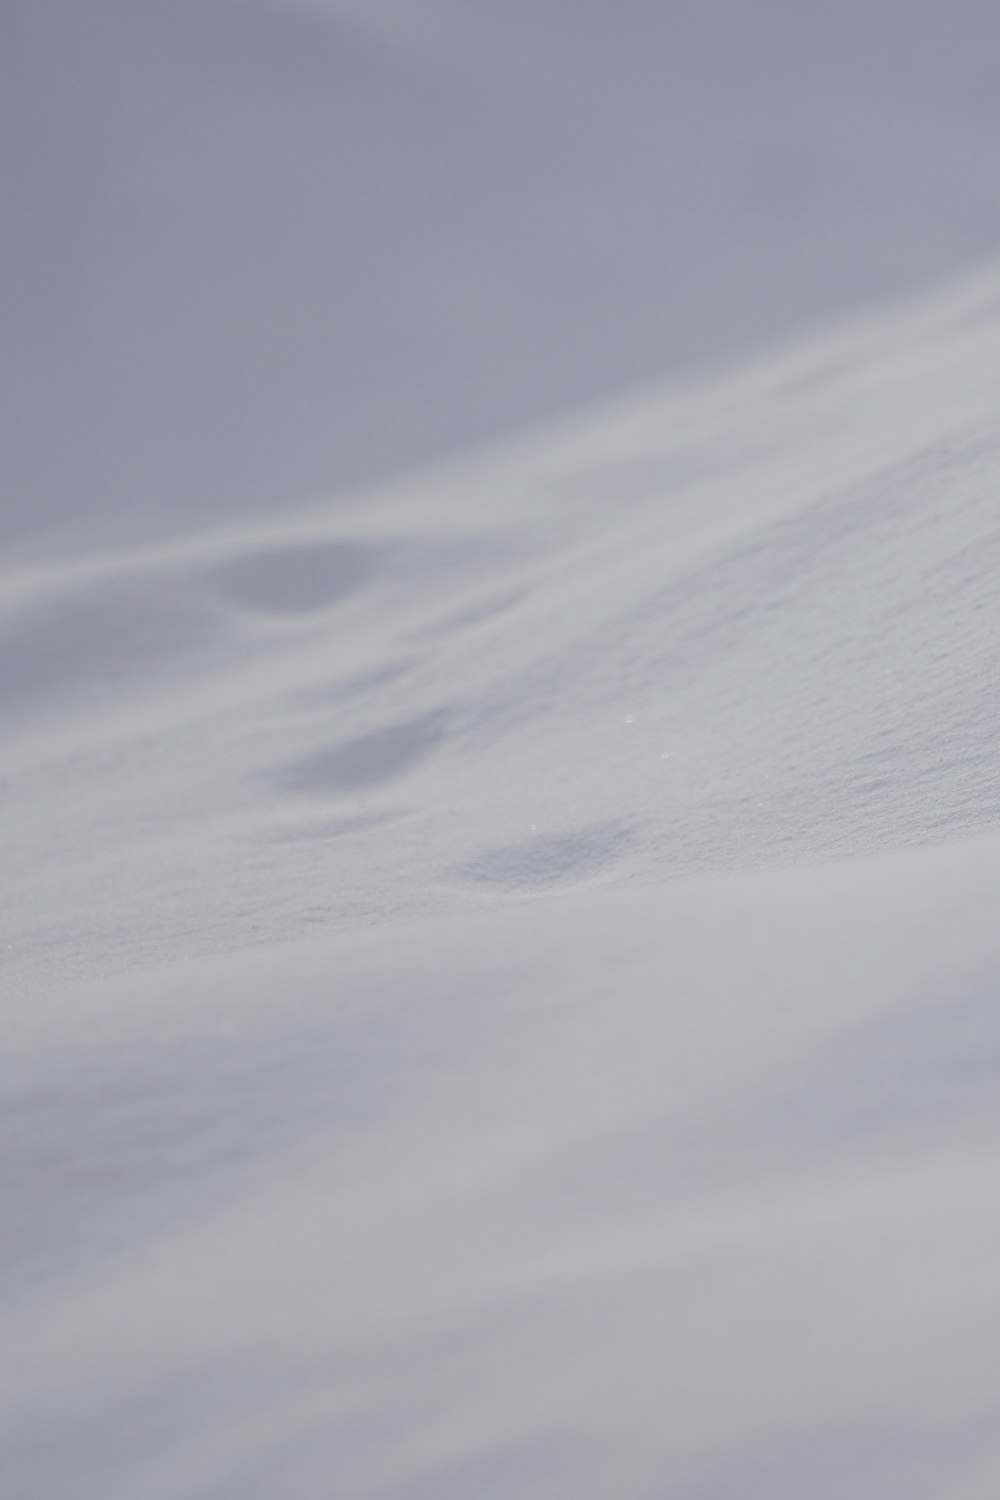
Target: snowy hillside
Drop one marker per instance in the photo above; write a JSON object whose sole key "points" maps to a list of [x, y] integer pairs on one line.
{"points": [[499, 705], [502, 969], [257, 251]]}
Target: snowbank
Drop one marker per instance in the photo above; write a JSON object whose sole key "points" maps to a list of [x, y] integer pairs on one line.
{"points": [[501, 978]]}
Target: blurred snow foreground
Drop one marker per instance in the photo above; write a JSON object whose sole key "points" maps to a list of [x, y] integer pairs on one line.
{"points": [[501, 976]]}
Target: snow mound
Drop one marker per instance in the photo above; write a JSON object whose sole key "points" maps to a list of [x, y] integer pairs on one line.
{"points": [[503, 973]]}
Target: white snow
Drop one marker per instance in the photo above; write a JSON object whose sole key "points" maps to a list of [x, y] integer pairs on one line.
{"points": [[501, 966]]}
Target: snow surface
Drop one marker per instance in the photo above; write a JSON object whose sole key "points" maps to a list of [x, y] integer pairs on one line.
{"points": [[541, 930], [260, 252], [501, 966]]}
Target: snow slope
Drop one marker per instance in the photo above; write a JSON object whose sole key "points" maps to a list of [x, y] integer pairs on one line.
{"points": [[501, 970], [260, 251]]}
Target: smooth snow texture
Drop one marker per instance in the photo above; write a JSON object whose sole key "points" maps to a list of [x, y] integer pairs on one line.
{"points": [[256, 251], [501, 978]]}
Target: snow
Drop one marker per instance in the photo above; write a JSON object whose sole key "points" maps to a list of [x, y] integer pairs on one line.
{"points": [[501, 962], [264, 252]]}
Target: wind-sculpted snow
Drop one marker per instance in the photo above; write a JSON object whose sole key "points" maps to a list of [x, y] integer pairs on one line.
{"points": [[502, 975]]}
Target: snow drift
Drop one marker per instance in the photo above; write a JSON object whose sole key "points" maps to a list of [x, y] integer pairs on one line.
{"points": [[502, 971]]}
